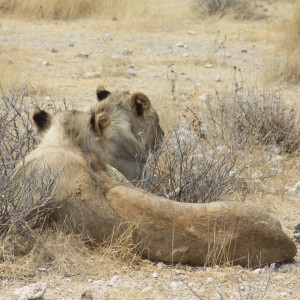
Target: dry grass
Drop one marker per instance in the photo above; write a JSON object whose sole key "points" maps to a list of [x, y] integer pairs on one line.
{"points": [[129, 12], [285, 65], [240, 9]]}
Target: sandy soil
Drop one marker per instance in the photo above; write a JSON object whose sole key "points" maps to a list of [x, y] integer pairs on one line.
{"points": [[67, 60]]}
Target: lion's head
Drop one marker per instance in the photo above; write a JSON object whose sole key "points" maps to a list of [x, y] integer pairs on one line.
{"points": [[135, 130], [81, 131]]}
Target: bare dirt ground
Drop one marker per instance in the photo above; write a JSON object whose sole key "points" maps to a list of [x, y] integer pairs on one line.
{"points": [[66, 60]]}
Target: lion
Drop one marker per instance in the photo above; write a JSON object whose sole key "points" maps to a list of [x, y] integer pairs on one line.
{"points": [[135, 130], [74, 145]]}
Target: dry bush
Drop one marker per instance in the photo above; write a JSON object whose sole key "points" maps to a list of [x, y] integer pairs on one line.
{"points": [[285, 65], [223, 162], [187, 168], [221, 6], [49, 9], [25, 243], [24, 204], [254, 117], [240, 9]]}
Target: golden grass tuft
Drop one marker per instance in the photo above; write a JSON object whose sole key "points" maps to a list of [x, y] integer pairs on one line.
{"points": [[285, 65], [130, 12], [68, 254]]}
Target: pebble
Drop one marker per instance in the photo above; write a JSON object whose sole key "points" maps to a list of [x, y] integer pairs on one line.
{"points": [[209, 280], [155, 275], [46, 63], [90, 75], [180, 44], [209, 66], [161, 265], [204, 97], [175, 285], [131, 72], [191, 32], [218, 78], [244, 50], [31, 291]]}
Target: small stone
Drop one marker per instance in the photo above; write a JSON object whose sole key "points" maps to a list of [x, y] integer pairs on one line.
{"points": [[47, 98], [209, 280], [228, 55], [155, 275], [285, 294], [31, 291], [257, 271], [244, 50], [191, 32], [71, 45], [90, 75], [53, 50], [209, 66], [178, 272], [161, 265], [175, 285], [180, 44], [218, 78], [44, 270], [204, 97], [131, 72], [46, 63]]}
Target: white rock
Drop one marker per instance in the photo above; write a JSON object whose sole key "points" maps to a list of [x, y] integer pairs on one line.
{"points": [[294, 191], [90, 75], [161, 265], [204, 97], [209, 280], [47, 99], [131, 72], [31, 291], [46, 63], [155, 275], [209, 66], [180, 44], [175, 285], [218, 78], [259, 271], [191, 32]]}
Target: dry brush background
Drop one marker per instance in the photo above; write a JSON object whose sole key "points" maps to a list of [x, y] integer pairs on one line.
{"points": [[224, 77]]}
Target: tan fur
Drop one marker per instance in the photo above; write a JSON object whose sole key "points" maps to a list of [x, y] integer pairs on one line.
{"points": [[167, 231], [135, 130]]}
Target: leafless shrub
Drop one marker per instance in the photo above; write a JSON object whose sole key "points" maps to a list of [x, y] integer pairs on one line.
{"points": [[188, 169], [221, 6], [24, 203], [256, 117]]}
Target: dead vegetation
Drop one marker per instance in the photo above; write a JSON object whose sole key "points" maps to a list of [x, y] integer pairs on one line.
{"points": [[284, 66]]}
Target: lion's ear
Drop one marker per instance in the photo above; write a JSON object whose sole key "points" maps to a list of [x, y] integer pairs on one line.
{"points": [[100, 122], [140, 103], [42, 119], [102, 93]]}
